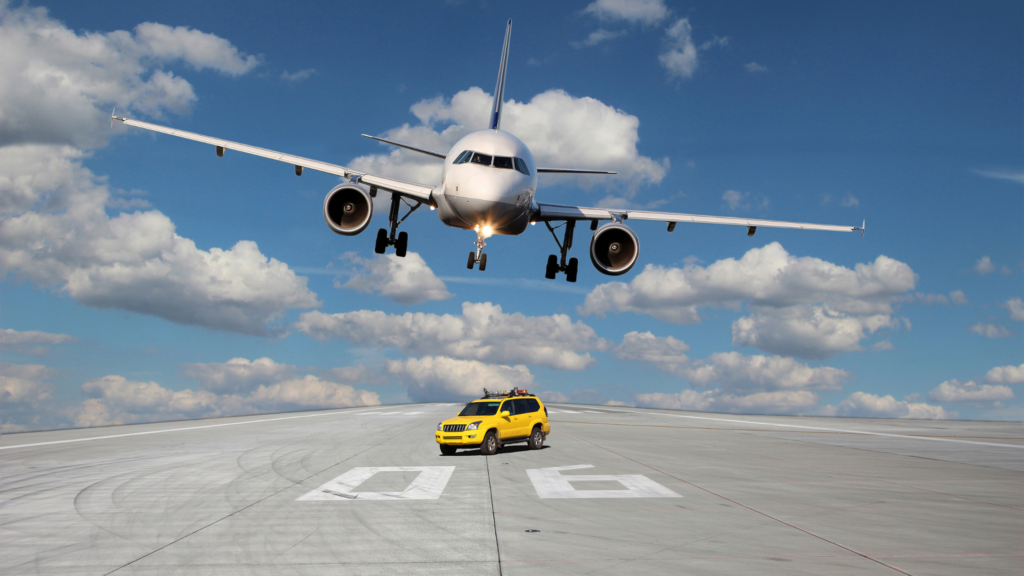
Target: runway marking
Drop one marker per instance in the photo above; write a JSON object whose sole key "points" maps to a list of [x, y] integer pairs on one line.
{"points": [[550, 483], [428, 485], [176, 430], [837, 430], [773, 431]]}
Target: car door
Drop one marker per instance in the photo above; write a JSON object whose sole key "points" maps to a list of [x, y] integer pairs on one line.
{"points": [[509, 424], [527, 412]]}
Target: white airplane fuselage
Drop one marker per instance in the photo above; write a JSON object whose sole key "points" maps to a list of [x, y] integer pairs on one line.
{"points": [[475, 196]]}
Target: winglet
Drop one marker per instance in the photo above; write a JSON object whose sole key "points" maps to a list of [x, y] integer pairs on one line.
{"points": [[114, 116], [499, 90], [863, 227]]}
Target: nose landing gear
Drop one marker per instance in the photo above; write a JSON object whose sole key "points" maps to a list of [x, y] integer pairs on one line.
{"points": [[554, 264], [478, 256], [401, 241]]}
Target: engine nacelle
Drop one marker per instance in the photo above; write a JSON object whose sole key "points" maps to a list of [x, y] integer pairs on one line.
{"points": [[348, 208], [614, 249]]}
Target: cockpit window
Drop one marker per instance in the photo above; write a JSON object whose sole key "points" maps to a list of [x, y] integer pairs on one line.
{"points": [[503, 162], [521, 166], [483, 159], [464, 157]]}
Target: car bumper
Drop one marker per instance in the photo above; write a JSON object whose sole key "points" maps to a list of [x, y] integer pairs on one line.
{"points": [[474, 438]]}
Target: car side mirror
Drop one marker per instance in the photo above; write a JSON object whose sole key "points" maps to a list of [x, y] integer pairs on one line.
{"points": [[505, 414]]}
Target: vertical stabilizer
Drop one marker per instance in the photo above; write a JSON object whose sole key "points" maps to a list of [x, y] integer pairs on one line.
{"points": [[499, 90]]}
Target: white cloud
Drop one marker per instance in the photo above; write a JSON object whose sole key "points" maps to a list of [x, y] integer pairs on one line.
{"points": [[31, 342], [849, 201], [882, 346], [802, 306], [642, 11], [237, 375], [956, 391], [990, 330], [779, 402], [132, 261], [407, 280], [666, 352], [754, 67], [560, 130], [739, 200], [483, 332], [1016, 308], [308, 392], [680, 55], [58, 86], [865, 405], [598, 36], [295, 77], [24, 394], [1011, 175], [1006, 375], [959, 298], [984, 265], [438, 378]]}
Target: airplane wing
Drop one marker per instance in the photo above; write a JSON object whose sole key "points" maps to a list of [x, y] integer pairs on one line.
{"points": [[556, 212], [570, 171], [416, 191]]}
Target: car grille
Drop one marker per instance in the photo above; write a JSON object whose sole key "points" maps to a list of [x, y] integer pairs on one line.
{"points": [[454, 427], [453, 437]]}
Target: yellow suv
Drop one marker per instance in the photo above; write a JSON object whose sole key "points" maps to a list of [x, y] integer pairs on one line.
{"points": [[496, 419]]}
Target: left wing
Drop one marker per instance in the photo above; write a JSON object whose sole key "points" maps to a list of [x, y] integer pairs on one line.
{"points": [[555, 212], [416, 191]]}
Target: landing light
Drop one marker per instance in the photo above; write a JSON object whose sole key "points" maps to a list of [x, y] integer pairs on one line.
{"points": [[487, 232]]}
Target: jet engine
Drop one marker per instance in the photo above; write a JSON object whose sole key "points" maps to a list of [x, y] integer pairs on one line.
{"points": [[614, 249], [348, 208]]}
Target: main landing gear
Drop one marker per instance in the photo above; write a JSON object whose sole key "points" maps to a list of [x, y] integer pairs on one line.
{"points": [[554, 264], [479, 256], [401, 242]]}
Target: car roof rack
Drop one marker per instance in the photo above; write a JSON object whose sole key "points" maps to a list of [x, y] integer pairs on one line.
{"points": [[505, 393]]}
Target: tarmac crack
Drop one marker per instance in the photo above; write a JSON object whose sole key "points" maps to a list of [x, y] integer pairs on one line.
{"points": [[494, 518]]}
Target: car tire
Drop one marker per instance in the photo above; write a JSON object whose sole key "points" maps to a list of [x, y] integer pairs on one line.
{"points": [[448, 450], [490, 444], [536, 439]]}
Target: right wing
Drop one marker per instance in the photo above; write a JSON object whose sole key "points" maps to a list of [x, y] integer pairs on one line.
{"points": [[416, 191]]}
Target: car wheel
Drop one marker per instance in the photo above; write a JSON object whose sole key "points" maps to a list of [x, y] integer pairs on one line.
{"points": [[490, 444], [536, 439], [448, 450]]}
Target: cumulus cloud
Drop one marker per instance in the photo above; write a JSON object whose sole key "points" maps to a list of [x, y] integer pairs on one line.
{"points": [[780, 402], [483, 332], [238, 374], [1006, 375], [865, 405], [956, 391], [990, 330], [665, 352], [596, 37], [638, 11], [296, 77], [849, 201], [755, 68], [58, 85], [407, 280], [1016, 308], [441, 379], [32, 342], [742, 200], [24, 393], [958, 298], [561, 131], [984, 265], [801, 305], [680, 55], [583, 396]]}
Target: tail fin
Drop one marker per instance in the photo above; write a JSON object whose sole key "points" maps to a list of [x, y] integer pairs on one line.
{"points": [[499, 90]]}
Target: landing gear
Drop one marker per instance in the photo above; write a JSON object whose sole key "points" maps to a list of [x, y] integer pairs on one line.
{"points": [[478, 257], [401, 241], [571, 268]]}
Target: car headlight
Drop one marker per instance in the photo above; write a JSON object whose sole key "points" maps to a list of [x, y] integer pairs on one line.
{"points": [[440, 426], [474, 425]]}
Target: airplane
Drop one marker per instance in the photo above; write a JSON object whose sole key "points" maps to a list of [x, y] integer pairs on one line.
{"points": [[488, 185]]}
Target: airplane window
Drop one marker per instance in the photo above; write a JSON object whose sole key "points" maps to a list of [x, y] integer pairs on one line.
{"points": [[521, 166], [502, 162], [479, 158], [464, 157]]}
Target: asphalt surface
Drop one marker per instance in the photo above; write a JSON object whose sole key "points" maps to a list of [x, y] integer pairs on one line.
{"points": [[615, 491]]}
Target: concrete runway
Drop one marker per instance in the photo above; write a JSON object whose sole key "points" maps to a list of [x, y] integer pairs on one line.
{"points": [[366, 491]]}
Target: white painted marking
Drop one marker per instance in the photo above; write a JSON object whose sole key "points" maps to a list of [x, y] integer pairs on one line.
{"points": [[411, 413], [593, 412], [564, 411], [550, 483], [428, 485], [177, 429], [845, 431]]}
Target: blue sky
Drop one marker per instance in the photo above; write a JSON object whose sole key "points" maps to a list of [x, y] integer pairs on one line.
{"points": [[126, 293]]}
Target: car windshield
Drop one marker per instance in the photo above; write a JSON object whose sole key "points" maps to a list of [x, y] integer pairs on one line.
{"points": [[480, 409]]}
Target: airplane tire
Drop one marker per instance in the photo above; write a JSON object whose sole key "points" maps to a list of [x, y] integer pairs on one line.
{"points": [[471, 261], [402, 244], [483, 262], [552, 268], [490, 444], [574, 268], [536, 439], [448, 450], [382, 241]]}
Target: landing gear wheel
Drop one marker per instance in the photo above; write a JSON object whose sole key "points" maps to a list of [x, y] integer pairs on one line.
{"points": [[536, 439], [552, 268], [483, 262], [382, 241], [402, 244], [448, 450], [490, 444], [471, 261], [574, 266]]}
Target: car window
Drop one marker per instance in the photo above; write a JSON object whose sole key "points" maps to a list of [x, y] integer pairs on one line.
{"points": [[480, 409], [503, 162], [522, 406], [482, 159], [510, 406], [533, 404], [521, 166]]}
